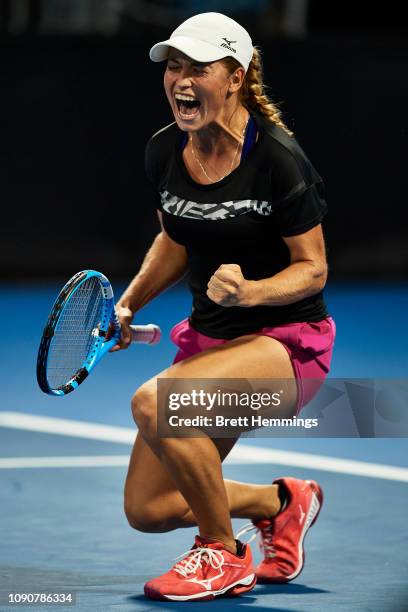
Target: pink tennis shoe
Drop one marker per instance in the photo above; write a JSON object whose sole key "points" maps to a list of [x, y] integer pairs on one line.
{"points": [[282, 537], [207, 571]]}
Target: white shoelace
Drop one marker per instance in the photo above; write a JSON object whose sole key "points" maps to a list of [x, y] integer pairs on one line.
{"points": [[265, 540], [195, 558]]}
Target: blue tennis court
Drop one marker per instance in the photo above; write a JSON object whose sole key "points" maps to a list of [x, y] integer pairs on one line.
{"points": [[63, 463]]}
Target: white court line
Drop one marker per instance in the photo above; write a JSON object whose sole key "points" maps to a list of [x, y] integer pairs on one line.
{"points": [[240, 454], [18, 463], [66, 427]]}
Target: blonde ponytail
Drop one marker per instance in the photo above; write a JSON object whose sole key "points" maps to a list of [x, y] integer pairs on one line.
{"points": [[253, 94]]}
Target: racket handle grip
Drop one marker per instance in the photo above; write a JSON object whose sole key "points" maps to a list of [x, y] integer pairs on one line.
{"points": [[147, 334]]}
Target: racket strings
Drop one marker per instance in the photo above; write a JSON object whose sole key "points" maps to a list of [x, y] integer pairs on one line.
{"points": [[74, 334]]}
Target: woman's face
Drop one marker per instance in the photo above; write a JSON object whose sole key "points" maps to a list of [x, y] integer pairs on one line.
{"points": [[196, 91]]}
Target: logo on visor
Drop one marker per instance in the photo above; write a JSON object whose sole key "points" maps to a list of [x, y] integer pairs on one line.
{"points": [[227, 44]]}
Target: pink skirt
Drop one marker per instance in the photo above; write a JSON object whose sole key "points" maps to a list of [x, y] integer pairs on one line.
{"points": [[309, 345]]}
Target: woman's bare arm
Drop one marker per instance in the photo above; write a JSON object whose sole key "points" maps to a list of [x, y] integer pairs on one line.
{"points": [[306, 275], [165, 263]]}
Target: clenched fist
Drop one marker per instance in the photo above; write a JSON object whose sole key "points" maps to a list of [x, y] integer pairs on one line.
{"points": [[228, 287]]}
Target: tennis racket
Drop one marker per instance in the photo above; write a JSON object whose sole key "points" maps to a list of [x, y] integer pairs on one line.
{"points": [[75, 336]]}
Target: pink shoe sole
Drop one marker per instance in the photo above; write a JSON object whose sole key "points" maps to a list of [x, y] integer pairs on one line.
{"points": [[235, 591]]}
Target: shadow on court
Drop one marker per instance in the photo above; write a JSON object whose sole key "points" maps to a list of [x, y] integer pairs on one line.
{"points": [[227, 603]]}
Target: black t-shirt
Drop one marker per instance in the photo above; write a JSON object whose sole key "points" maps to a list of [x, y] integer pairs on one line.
{"points": [[274, 192]]}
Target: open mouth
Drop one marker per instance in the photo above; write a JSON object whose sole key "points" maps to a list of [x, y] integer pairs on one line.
{"points": [[187, 106]]}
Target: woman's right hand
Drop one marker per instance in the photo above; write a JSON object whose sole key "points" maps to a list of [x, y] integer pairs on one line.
{"points": [[125, 316]]}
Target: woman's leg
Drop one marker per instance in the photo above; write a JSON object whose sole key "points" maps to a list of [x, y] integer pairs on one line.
{"points": [[194, 464], [153, 503]]}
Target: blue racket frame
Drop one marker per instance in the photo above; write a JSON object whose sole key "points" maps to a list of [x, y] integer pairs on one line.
{"points": [[99, 346]]}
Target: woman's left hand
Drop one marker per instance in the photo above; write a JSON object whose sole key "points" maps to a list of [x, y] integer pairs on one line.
{"points": [[228, 287]]}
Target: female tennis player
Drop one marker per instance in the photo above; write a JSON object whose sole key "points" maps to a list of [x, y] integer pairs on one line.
{"points": [[240, 207]]}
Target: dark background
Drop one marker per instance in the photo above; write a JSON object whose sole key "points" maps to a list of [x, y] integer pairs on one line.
{"points": [[80, 98]]}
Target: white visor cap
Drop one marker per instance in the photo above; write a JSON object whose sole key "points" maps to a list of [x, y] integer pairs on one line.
{"points": [[207, 37]]}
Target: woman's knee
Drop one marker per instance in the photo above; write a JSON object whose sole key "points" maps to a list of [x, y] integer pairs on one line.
{"points": [[144, 406], [143, 520], [149, 518]]}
